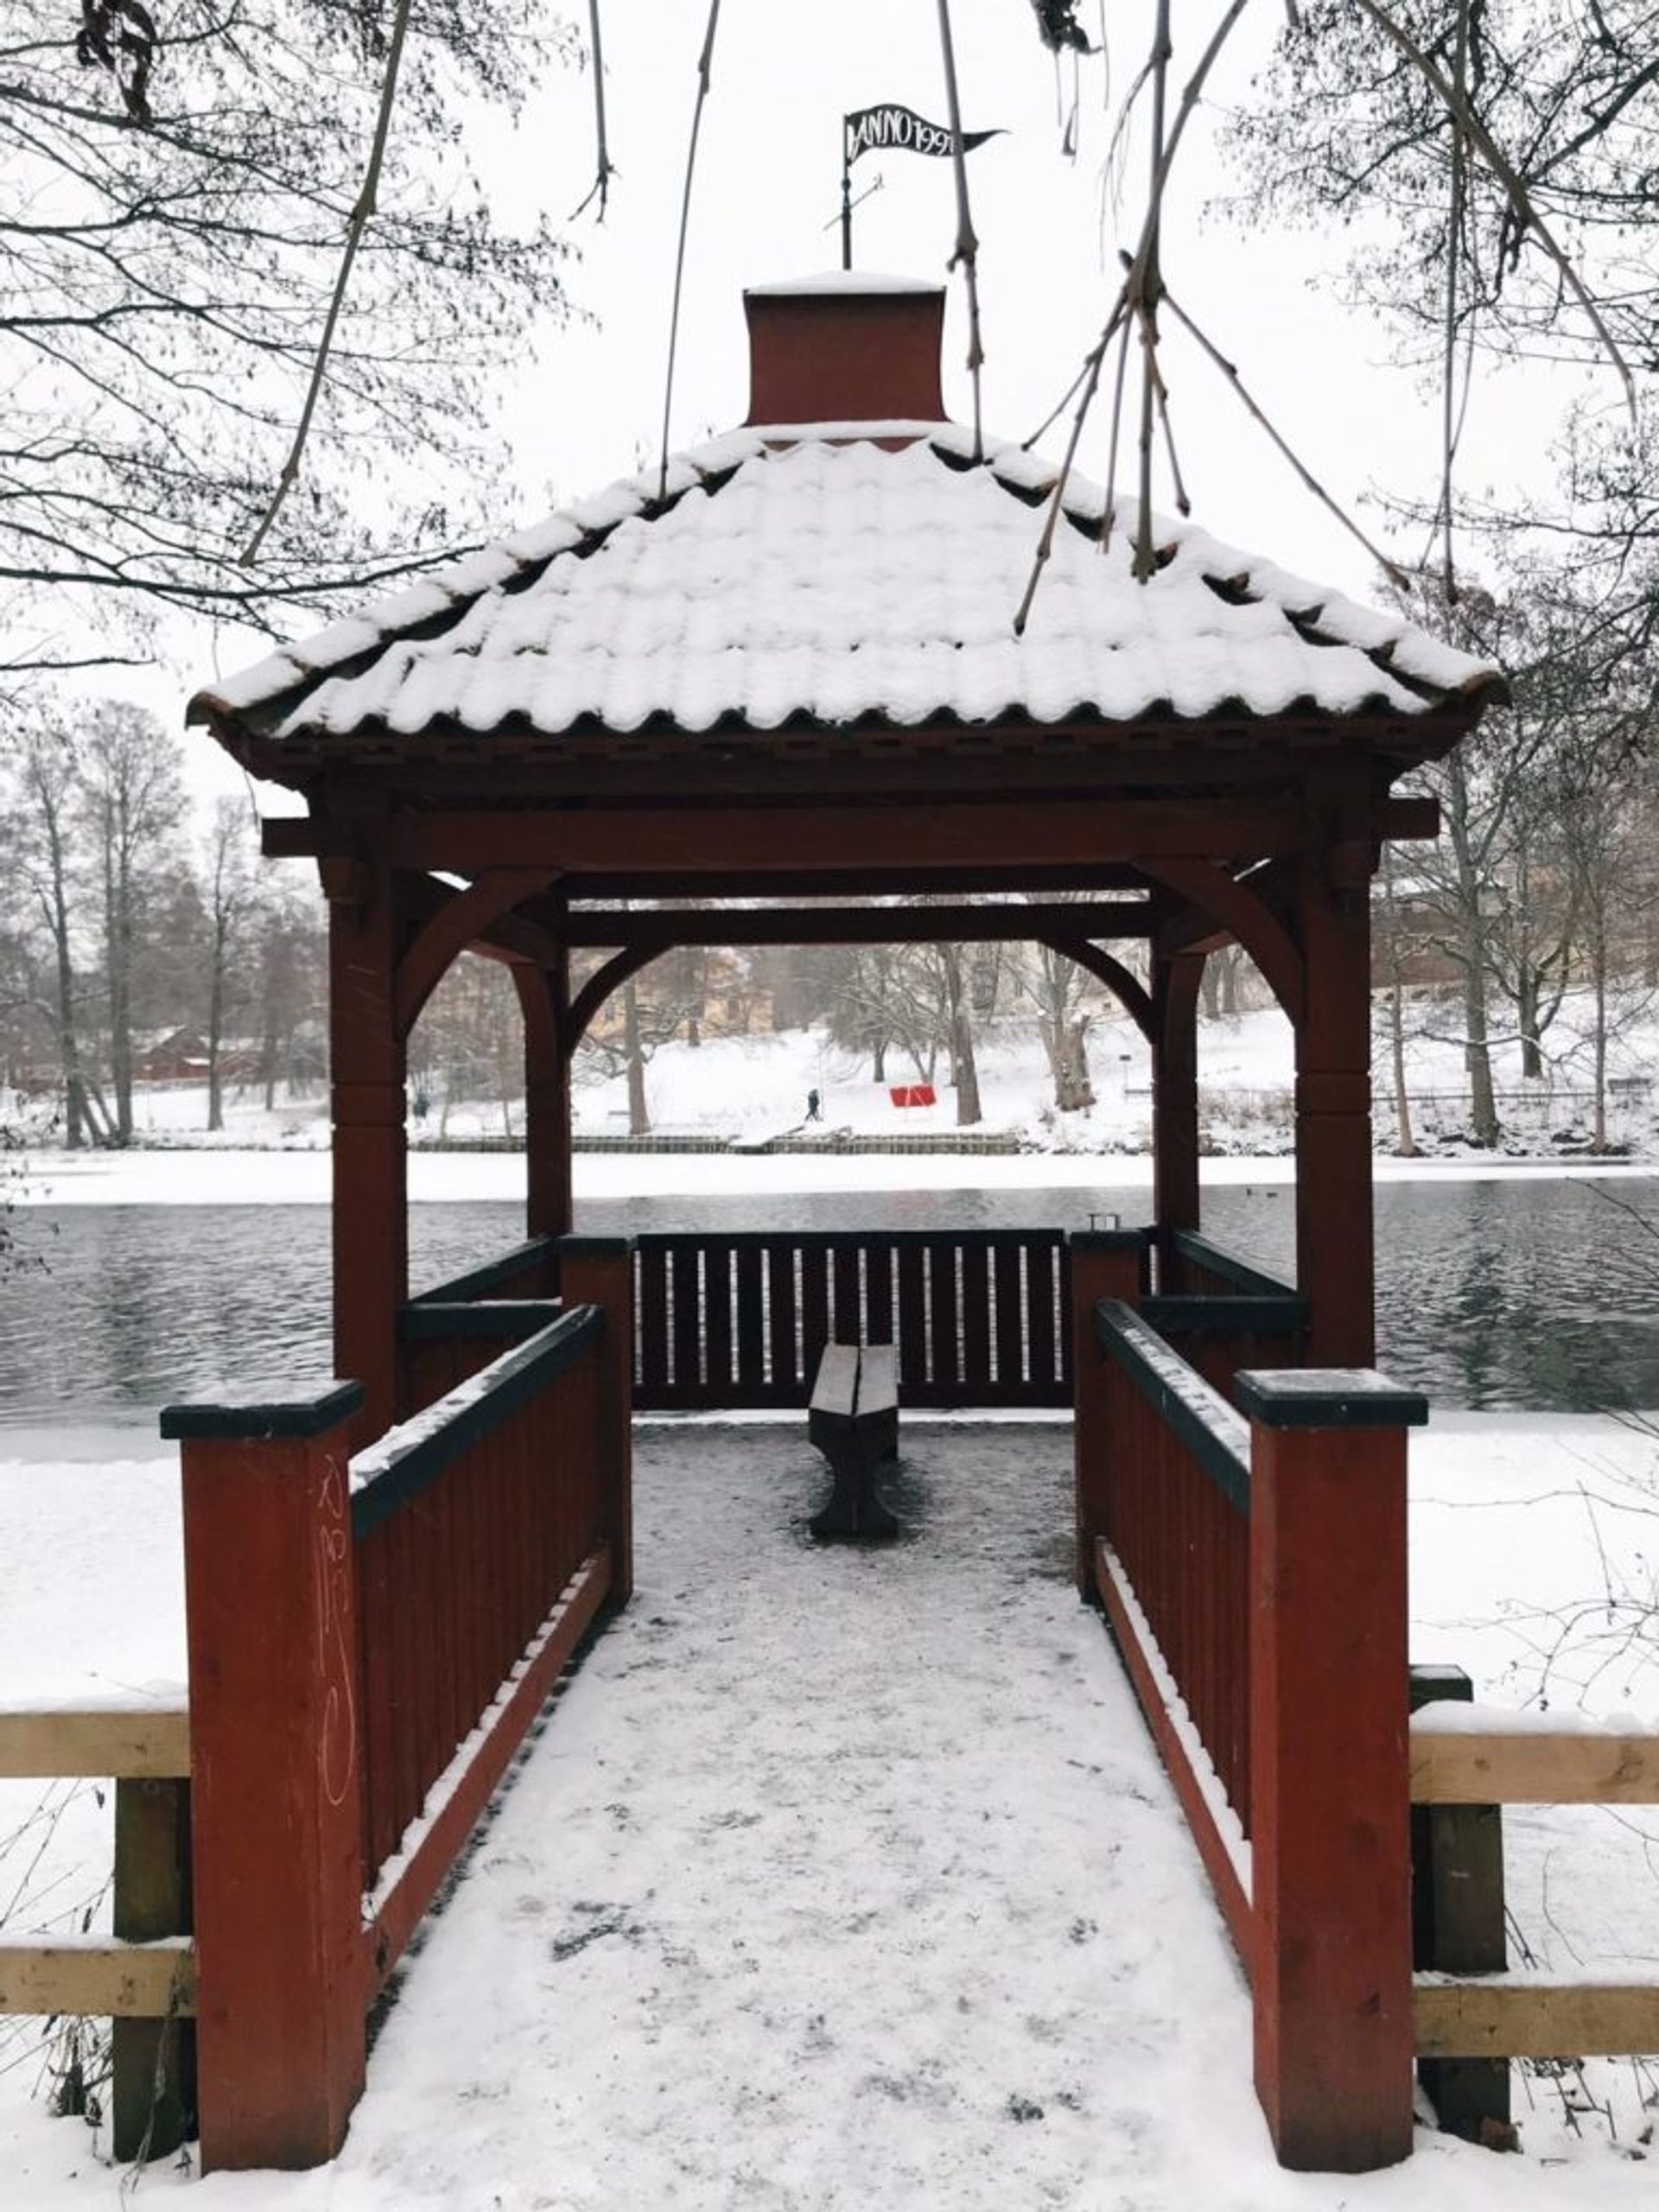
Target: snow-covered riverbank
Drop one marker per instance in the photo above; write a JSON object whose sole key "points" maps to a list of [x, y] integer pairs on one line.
{"points": [[231, 1178]]}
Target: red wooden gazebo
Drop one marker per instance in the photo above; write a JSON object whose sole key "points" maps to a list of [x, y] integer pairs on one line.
{"points": [[783, 669]]}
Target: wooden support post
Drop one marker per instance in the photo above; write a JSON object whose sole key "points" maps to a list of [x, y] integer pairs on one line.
{"points": [[1457, 1926], [1175, 987], [368, 1065], [1104, 1263], [1335, 1264], [544, 1000], [276, 1814], [1329, 1774], [153, 2086], [599, 1271]]}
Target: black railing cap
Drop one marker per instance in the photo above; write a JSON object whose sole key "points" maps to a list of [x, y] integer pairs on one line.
{"points": [[1107, 1240], [425, 1321], [247, 1421], [1441, 1686], [1199, 1313], [1327, 1397], [595, 1248]]}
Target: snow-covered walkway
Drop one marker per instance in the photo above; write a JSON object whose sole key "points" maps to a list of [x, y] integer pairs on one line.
{"points": [[837, 1880]]}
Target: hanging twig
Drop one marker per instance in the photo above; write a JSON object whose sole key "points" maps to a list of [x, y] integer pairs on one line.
{"points": [[1045, 543], [1058, 408], [1526, 214], [967, 250], [1395, 574], [359, 222], [1145, 282], [705, 68], [1118, 382], [1120, 307], [1454, 248], [1160, 393], [605, 168]]}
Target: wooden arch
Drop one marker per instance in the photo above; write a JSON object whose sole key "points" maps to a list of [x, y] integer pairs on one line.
{"points": [[1236, 908]]}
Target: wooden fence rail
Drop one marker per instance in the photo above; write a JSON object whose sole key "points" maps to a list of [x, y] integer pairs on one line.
{"points": [[1472, 2012], [142, 1978], [980, 1318]]}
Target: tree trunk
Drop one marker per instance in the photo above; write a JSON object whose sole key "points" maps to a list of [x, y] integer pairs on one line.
{"points": [[55, 897], [1598, 977], [1069, 1059], [639, 1112], [215, 1025], [76, 1120], [879, 1060], [1406, 1142], [965, 1071], [1477, 1052], [1526, 1007]]}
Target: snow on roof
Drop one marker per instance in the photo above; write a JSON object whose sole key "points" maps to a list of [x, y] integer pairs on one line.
{"points": [[832, 579], [853, 283]]}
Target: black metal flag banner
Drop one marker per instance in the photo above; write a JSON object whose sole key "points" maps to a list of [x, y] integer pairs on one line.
{"points": [[891, 129]]}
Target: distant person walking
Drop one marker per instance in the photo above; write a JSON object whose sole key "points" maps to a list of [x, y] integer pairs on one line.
{"points": [[814, 1107]]}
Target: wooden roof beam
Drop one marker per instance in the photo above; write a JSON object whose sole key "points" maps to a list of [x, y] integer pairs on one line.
{"points": [[680, 845], [911, 924]]}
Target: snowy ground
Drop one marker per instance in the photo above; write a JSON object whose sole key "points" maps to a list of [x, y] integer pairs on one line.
{"points": [[845, 1878], [757, 1086]]}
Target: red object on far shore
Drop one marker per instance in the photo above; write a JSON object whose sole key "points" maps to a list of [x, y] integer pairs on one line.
{"points": [[913, 1094]]}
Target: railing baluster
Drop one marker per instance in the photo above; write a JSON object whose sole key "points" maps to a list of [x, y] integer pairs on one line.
{"points": [[878, 1290], [751, 1259], [653, 1261], [783, 1320], [688, 1323], [718, 1377], [1040, 1314], [944, 1345], [976, 1315]]}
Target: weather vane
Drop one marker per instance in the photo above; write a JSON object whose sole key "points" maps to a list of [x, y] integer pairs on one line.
{"points": [[891, 130]]}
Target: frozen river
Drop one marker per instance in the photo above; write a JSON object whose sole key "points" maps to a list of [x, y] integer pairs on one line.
{"points": [[1535, 1293]]}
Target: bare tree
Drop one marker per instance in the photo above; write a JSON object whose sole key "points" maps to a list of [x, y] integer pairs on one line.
{"points": [[130, 799], [175, 192], [39, 829], [230, 900], [1060, 989]]}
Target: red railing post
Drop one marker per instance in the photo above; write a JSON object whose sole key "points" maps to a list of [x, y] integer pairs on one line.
{"points": [[1104, 1263], [275, 1801], [1330, 1825], [599, 1271]]}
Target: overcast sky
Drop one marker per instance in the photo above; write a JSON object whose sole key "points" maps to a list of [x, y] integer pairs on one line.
{"points": [[587, 407]]}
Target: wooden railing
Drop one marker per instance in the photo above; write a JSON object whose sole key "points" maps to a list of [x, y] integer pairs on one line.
{"points": [[1194, 1266], [529, 1270], [448, 1333], [369, 1640], [469, 1524], [1223, 1312], [1173, 1517], [979, 1317], [442, 1344], [142, 1978], [1254, 1571]]}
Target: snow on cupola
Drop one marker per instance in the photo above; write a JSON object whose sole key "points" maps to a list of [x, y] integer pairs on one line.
{"points": [[848, 347]]}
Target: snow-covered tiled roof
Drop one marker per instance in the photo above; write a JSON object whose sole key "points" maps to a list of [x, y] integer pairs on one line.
{"points": [[833, 575]]}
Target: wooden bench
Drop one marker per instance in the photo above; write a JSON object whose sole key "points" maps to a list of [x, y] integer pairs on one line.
{"points": [[854, 1420]]}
